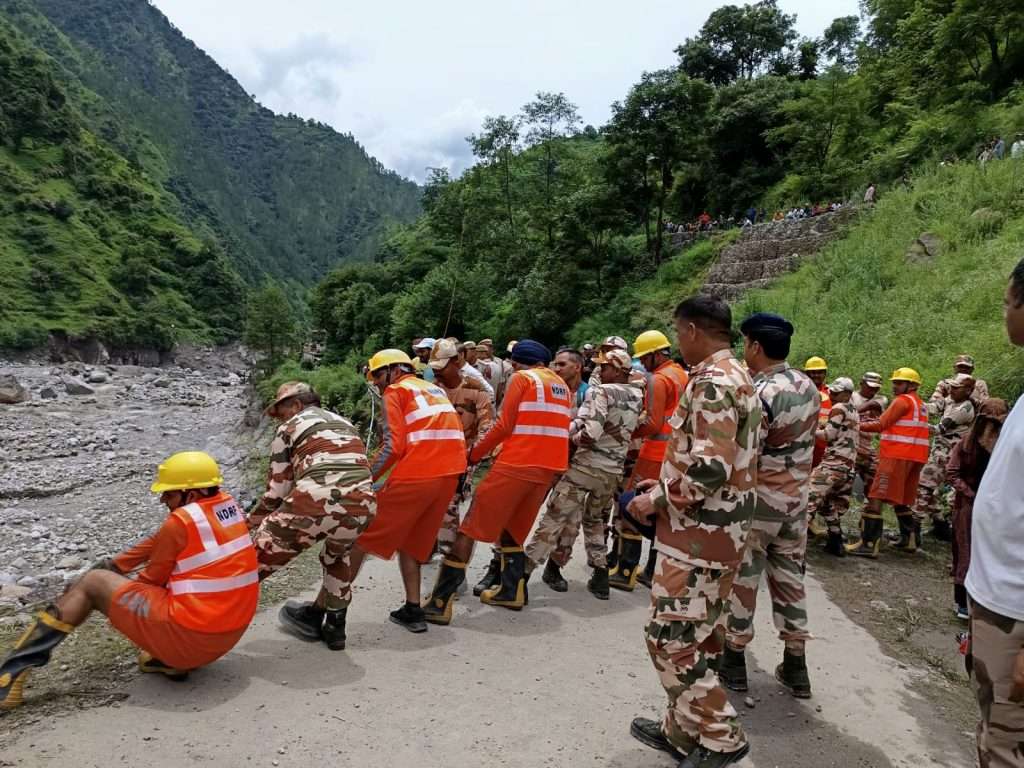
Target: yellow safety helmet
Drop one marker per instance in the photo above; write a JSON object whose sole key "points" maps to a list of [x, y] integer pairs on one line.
{"points": [[388, 357], [650, 341], [906, 374], [815, 364], [186, 470]]}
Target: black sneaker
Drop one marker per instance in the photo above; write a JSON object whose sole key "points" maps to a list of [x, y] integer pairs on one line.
{"points": [[411, 617], [650, 733], [702, 757]]}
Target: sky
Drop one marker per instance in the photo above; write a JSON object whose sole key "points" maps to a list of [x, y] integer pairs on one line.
{"points": [[411, 80]]}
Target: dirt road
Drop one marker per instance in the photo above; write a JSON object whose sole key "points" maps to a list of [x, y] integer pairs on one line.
{"points": [[554, 685]]}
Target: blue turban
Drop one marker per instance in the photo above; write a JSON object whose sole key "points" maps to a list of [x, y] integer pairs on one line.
{"points": [[529, 352]]}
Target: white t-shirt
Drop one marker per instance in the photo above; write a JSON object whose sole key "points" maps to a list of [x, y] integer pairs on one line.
{"points": [[473, 373], [996, 576]]}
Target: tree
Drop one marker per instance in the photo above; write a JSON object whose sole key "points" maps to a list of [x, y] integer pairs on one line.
{"points": [[496, 145], [659, 129], [550, 117], [270, 325], [739, 43], [839, 43]]}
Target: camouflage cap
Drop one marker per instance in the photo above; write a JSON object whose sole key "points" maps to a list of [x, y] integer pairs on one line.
{"points": [[615, 357], [443, 351], [965, 360], [486, 343], [872, 379], [288, 390], [616, 342], [842, 384], [469, 345], [962, 380]]}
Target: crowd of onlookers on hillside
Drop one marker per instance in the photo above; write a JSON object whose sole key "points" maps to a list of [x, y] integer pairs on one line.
{"points": [[705, 222]]}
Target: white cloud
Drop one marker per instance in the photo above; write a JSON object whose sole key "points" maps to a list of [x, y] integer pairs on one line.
{"points": [[411, 80]]}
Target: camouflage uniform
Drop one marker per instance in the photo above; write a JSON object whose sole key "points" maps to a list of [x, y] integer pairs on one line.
{"points": [[318, 487], [941, 393], [867, 452], [473, 404], [778, 537], [704, 504], [956, 421], [995, 642], [832, 480], [600, 431]]}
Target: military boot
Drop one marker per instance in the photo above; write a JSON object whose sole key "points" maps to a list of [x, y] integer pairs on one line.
{"points": [[834, 544], [650, 732], [792, 673], [552, 576], [870, 539], [334, 629], [732, 670], [33, 649], [511, 592], [303, 620], [152, 665], [437, 608], [491, 578], [647, 576], [598, 584], [908, 534], [702, 757], [630, 549], [941, 530]]}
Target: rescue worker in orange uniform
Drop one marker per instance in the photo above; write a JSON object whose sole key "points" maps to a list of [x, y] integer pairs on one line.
{"points": [[191, 603], [817, 371], [902, 453], [667, 383], [425, 452], [533, 432]]}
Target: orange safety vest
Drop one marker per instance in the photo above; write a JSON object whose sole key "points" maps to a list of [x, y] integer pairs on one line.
{"points": [[654, 448], [435, 442], [820, 444], [907, 439], [540, 437], [214, 586]]}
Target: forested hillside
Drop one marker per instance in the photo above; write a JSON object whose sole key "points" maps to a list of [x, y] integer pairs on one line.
{"points": [[88, 244], [285, 196]]}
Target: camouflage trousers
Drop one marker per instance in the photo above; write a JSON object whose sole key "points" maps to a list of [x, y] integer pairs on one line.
{"points": [[685, 638], [317, 510], [778, 548], [865, 468], [995, 643], [831, 486], [449, 530], [933, 478], [580, 497]]}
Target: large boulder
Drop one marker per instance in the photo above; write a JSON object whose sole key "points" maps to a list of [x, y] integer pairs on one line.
{"points": [[77, 387], [98, 377], [11, 391]]}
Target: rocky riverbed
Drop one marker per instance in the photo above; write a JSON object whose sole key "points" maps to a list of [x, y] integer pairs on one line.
{"points": [[81, 449]]}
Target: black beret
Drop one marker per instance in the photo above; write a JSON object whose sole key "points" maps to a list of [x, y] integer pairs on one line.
{"points": [[766, 321]]}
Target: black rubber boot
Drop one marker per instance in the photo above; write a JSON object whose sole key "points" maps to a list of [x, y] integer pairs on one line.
{"points": [[941, 530], [511, 592], [304, 620], [492, 577], [732, 670], [630, 549], [702, 757], [151, 665], [870, 538], [792, 673], [908, 534], [33, 649], [437, 608], [649, 732], [647, 576], [552, 576], [411, 617], [834, 544], [598, 584], [334, 629]]}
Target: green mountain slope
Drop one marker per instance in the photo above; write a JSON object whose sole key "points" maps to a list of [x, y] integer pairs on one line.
{"points": [[88, 243], [288, 197]]}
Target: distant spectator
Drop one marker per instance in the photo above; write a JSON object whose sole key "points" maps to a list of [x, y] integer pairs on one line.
{"points": [[752, 215], [1017, 150], [869, 195], [999, 148]]}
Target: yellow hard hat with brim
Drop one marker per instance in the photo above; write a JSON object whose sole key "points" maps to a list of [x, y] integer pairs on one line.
{"points": [[815, 364], [186, 470], [906, 374], [650, 341], [388, 357]]}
